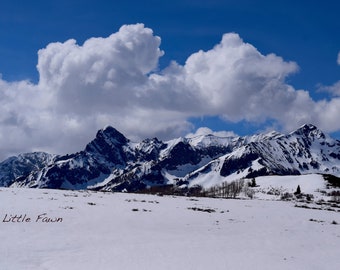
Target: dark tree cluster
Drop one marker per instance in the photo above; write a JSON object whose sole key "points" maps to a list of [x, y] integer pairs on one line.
{"points": [[225, 190]]}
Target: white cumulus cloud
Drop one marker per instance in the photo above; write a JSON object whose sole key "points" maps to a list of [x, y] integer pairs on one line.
{"points": [[116, 81], [207, 131], [332, 89]]}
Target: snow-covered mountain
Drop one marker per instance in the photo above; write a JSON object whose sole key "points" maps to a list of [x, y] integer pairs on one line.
{"points": [[112, 162], [23, 164], [306, 150]]}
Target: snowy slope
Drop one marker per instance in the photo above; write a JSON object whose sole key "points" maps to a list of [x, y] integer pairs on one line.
{"points": [[129, 231]]}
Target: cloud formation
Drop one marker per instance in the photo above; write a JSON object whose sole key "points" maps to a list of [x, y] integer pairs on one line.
{"points": [[334, 89], [116, 81], [207, 131]]}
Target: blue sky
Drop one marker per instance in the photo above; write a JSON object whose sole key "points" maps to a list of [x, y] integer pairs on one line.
{"points": [[305, 33], [301, 31]]}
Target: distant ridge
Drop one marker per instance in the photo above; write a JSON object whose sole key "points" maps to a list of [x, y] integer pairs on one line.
{"points": [[111, 162]]}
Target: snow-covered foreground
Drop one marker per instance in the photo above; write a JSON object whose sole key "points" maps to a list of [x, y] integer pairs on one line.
{"points": [[129, 231]]}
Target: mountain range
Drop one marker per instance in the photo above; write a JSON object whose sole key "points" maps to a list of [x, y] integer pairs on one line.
{"points": [[111, 162]]}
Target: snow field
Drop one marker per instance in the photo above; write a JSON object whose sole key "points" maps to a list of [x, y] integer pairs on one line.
{"points": [[133, 231], [309, 184]]}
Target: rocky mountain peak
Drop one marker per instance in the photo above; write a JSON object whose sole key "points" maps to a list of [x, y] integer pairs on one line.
{"points": [[105, 140], [112, 134], [310, 131]]}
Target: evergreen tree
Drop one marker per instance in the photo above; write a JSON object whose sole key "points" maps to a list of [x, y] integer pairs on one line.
{"points": [[252, 183], [298, 190]]}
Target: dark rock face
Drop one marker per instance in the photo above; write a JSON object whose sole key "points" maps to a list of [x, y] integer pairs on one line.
{"points": [[109, 145], [111, 162], [232, 165], [182, 153]]}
